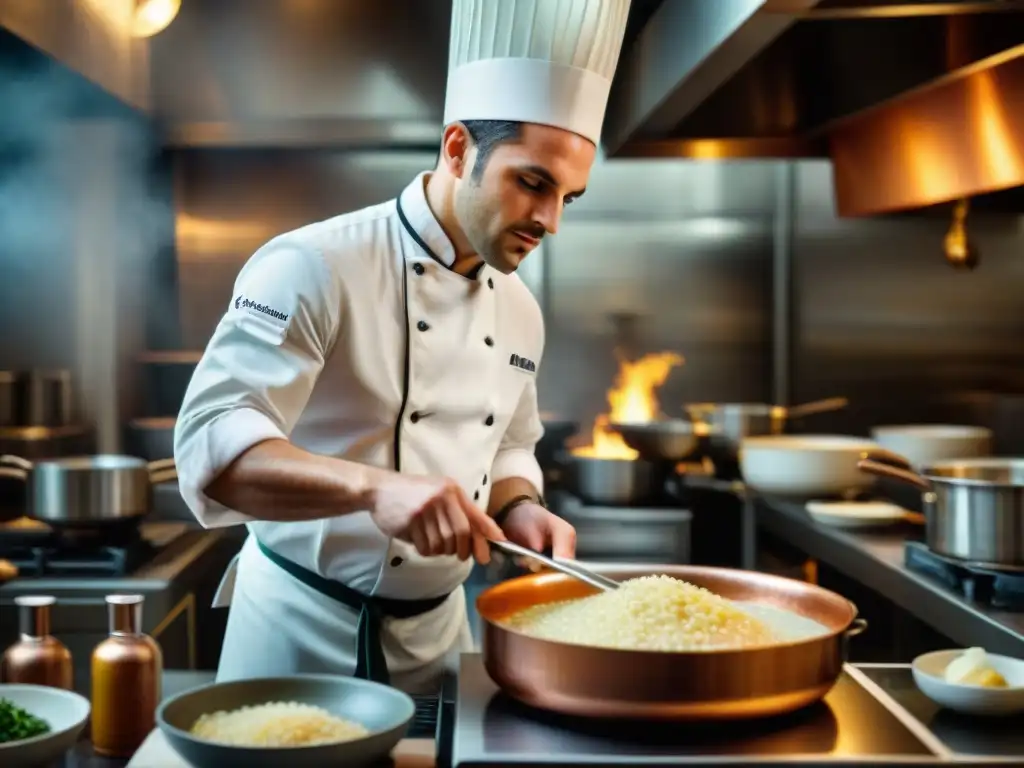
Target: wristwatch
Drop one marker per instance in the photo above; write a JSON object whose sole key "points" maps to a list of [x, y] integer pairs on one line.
{"points": [[502, 514]]}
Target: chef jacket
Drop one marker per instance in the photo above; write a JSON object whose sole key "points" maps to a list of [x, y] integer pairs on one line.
{"points": [[354, 338]]}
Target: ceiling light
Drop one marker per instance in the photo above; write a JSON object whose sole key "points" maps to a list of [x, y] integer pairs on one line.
{"points": [[153, 16]]}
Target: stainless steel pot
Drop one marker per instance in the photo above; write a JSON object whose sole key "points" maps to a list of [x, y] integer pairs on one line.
{"points": [[974, 508], [728, 423], [88, 490], [35, 443], [611, 482]]}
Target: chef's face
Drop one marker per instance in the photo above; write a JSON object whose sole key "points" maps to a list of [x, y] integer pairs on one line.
{"points": [[508, 204]]}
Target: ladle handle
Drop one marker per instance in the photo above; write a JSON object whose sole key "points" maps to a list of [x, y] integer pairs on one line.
{"points": [[569, 568], [10, 460], [817, 406]]}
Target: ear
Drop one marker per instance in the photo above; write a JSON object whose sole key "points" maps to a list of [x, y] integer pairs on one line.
{"points": [[456, 146]]}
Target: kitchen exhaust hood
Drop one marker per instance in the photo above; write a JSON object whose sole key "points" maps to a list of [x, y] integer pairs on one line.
{"points": [[95, 38], [916, 103], [302, 74], [258, 73]]}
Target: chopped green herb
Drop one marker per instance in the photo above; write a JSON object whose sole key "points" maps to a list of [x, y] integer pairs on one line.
{"points": [[17, 724]]}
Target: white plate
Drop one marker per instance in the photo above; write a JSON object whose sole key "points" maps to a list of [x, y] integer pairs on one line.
{"points": [[856, 514], [928, 671], [64, 711]]}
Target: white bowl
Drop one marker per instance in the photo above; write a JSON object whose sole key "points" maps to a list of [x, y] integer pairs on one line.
{"points": [[926, 444], [805, 466], [928, 673], [64, 711]]}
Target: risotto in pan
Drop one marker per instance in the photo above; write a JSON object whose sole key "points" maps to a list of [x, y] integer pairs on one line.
{"points": [[650, 613]]}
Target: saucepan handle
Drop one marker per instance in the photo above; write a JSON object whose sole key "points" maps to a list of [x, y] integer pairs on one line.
{"points": [[15, 467], [857, 626], [818, 406], [15, 461], [162, 471], [893, 466]]}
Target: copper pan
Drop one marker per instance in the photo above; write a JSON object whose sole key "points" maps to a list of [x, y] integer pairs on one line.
{"points": [[699, 685]]}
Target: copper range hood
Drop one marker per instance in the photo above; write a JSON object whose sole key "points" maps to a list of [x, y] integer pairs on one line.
{"points": [[916, 103], [955, 139]]}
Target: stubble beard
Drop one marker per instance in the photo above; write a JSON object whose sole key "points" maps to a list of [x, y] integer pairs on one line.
{"points": [[473, 213]]}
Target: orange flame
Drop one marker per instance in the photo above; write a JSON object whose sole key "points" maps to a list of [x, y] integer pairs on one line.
{"points": [[630, 400]]}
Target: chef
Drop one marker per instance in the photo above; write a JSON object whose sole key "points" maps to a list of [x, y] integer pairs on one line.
{"points": [[367, 405]]}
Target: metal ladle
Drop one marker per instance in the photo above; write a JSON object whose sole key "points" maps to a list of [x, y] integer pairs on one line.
{"points": [[570, 568]]}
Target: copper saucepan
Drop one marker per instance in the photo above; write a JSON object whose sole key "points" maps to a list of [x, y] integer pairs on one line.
{"points": [[699, 685]]}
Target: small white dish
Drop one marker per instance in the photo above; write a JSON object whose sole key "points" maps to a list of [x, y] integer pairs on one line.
{"points": [[64, 711], [856, 514], [929, 675]]}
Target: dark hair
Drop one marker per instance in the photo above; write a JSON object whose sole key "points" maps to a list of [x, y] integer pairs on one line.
{"points": [[487, 135]]}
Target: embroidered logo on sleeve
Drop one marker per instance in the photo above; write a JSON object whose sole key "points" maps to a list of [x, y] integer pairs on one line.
{"points": [[522, 363], [255, 307]]}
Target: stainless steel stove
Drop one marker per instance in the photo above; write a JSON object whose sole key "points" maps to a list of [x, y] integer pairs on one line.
{"points": [[998, 586], [856, 724], [653, 534], [965, 737], [176, 567]]}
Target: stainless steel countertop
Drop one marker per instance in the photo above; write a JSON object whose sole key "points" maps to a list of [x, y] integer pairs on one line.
{"points": [[873, 716], [876, 561]]}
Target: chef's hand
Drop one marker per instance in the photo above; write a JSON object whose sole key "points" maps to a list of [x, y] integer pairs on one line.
{"points": [[434, 514], [532, 526]]}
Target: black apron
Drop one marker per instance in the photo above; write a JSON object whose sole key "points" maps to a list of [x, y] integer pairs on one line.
{"points": [[370, 661]]}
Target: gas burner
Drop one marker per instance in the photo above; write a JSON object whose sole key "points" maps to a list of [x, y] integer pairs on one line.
{"points": [[93, 561], [44, 551], [996, 586]]}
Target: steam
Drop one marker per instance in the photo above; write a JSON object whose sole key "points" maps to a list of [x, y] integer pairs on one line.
{"points": [[86, 221]]}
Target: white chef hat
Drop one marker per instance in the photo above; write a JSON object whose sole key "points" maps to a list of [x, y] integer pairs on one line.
{"points": [[534, 61]]}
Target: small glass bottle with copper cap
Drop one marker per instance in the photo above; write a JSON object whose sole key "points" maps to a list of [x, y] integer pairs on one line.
{"points": [[38, 658], [126, 681]]}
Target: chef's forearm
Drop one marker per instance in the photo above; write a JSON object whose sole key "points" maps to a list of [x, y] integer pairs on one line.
{"points": [[507, 489], [275, 480]]}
